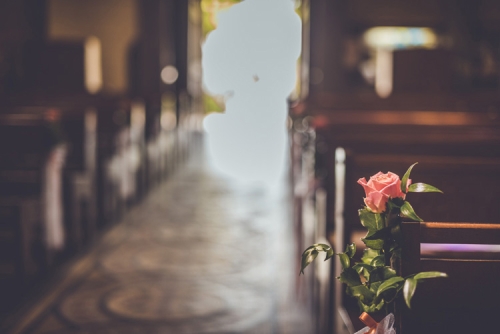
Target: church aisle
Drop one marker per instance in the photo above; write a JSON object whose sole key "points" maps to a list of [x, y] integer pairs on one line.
{"points": [[199, 255]]}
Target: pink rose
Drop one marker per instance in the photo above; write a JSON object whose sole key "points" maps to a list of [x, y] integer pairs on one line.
{"points": [[380, 188], [376, 202]]}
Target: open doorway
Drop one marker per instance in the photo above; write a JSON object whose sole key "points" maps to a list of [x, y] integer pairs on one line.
{"points": [[249, 71]]}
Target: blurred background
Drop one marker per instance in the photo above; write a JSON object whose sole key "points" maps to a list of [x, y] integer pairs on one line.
{"points": [[163, 163]]}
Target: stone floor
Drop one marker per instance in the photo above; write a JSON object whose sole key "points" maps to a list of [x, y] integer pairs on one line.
{"points": [[201, 254]]}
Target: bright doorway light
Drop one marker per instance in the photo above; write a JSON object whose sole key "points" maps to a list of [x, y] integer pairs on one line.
{"points": [[250, 59]]}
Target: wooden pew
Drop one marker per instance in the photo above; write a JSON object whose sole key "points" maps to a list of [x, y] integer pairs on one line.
{"points": [[80, 174], [75, 129], [28, 134], [177, 135], [120, 157], [462, 179], [466, 301], [67, 75], [367, 134], [25, 144], [21, 249], [410, 132], [309, 204], [330, 104], [458, 177], [406, 133], [161, 155]]}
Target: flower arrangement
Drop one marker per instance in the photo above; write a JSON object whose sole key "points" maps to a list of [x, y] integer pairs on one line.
{"points": [[373, 282]]}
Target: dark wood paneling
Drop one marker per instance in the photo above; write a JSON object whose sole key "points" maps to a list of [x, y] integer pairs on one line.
{"points": [[464, 302]]}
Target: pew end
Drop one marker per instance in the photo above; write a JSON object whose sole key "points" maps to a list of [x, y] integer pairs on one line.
{"points": [[465, 302]]}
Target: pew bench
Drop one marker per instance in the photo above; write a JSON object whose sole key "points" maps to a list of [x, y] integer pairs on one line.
{"points": [[73, 129], [25, 144], [121, 167], [21, 249], [463, 180], [466, 301]]}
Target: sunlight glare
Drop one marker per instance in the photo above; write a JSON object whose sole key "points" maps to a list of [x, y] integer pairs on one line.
{"points": [[251, 57]]}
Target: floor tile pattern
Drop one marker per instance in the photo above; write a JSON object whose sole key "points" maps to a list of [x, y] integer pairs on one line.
{"points": [[202, 254]]}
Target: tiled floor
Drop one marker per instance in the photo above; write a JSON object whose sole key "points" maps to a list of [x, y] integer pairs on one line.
{"points": [[199, 255]]}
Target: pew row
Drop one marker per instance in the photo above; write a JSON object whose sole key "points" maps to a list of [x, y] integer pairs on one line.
{"points": [[444, 139], [66, 163], [463, 180], [94, 152], [468, 181], [27, 172], [309, 205]]}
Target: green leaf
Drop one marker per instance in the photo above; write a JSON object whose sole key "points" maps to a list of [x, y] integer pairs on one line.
{"points": [[321, 247], [381, 274], [429, 274], [363, 269], [394, 203], [317, 247], [389, 295], [407, 211], [423, 188], [371, 308], [360, 266], [345, 261], [380, 234], [369, 254], [405, 178], [378, 261], [374, 286], [391, 283], [350, 250], [374, 244], [307, 257], [350, 277], [310, 254], [362, 293], [372, 221], [329, 253], [375, 239], [409, 290]]}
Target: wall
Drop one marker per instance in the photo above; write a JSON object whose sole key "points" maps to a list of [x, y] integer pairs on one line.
{"points": [[114, 22]]}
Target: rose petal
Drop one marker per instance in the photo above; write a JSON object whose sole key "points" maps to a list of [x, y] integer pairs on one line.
{"points": [[389, 184], [380, 180], [366, 187], [370, 205], [376, 202]]}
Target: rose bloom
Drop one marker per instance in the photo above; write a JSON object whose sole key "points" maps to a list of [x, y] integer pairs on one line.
{"points": [[380, 188]]}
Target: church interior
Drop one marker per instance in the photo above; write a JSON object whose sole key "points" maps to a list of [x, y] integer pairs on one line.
{"points": [[115, 219]]}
